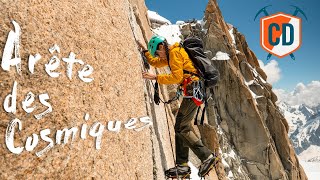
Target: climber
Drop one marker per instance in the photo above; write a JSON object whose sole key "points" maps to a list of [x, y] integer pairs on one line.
{"points": [[159, 54]]}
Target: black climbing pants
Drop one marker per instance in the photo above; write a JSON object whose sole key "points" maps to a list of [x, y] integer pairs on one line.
{"points": [[185, 137]]}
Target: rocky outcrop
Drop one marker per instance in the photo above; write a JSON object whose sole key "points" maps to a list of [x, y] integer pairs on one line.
{"points": [[96, 124], [248, 115], [98, 33]]}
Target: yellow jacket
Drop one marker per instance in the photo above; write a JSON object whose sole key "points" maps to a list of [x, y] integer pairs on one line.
{"points": [[178, 61]]}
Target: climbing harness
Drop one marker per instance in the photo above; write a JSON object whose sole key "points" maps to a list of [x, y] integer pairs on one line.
{"points": [[193, 89]]}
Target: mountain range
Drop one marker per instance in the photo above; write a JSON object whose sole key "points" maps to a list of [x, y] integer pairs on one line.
{"points": [[304, 129]]}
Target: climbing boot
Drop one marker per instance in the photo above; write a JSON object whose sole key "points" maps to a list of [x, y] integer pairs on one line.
{"points": [[207, 165], [181, 171]]}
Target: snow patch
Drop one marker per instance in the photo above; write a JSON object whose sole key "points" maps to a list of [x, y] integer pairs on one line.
{"points": [[232, 154], [154, 16], [252, 93], [230, 175], [225, 164], [254, 96], [310, 110], [194, 172], [221, 56], [232, 37], [239, 170], [249, 83], [219, 131], [180, 22], [202, 23], [256, 74], [170, 32]]}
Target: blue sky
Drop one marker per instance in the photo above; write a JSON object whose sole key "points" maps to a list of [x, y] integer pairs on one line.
{"points": [[305, 68]]}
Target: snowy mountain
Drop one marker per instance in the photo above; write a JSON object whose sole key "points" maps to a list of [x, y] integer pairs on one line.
{"points": [[307, 135], [296, 116], [304, 129]]}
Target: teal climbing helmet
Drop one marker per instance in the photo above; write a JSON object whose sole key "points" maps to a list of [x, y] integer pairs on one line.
{"points": [[153, 44]]}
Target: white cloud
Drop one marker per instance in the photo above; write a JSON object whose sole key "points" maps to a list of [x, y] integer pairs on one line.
{"points": [[272, 70], [302, 94]]}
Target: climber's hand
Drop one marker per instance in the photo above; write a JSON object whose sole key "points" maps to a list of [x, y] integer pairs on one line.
{"points": [[147, 75], [140, 44]]}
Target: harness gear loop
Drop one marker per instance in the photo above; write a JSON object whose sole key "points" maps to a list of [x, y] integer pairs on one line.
{"points": [[157, 98]]}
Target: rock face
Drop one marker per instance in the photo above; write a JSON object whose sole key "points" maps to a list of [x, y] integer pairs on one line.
{"points": [[249, 117], [113, 137], [99, 33]]}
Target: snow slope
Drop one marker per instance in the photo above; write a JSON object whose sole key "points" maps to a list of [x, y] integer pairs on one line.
{"points": [[312, 169], [304, 131], [154, 16], [296, 116], [312, 154]]}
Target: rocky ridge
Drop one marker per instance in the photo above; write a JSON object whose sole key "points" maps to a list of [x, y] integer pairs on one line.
{"points": [[253, 138], [243, 122]]}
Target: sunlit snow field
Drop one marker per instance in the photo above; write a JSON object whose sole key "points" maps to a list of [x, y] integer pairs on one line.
{"points": [[312, 169]]}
